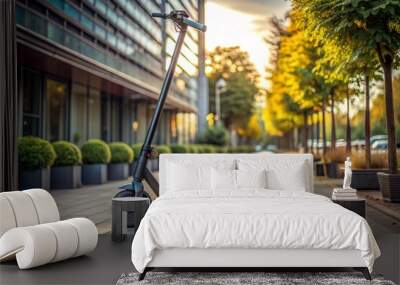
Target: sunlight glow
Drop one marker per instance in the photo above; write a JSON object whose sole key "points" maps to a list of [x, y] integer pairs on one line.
{"points": [[227, 27]]}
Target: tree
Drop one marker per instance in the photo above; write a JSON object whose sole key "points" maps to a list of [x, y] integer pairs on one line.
{"points": [[251, 132], [296, 89], [372, 25], [238, 98], [352, 66]]}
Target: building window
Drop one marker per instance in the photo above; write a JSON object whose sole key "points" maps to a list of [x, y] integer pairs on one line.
{"points": [[79, 114], [116, 115], [31, 102], [72, 11], [54, 33], [94, 114], [58, 3], [55, 111], [87, 22]]}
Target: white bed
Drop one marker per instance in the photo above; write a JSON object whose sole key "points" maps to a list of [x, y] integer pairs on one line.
{"points": [[203, 220]]}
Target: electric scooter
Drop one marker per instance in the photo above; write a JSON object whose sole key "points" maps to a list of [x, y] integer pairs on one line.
{"points": [[140, 172]]}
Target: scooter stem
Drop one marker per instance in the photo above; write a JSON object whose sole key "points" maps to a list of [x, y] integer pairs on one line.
{"points": [[136, 188]]}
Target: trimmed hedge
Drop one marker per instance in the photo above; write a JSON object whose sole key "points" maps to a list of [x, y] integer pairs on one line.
{"points": [[209, 148], [121, 152], [67, 154], [136, 149], [163, 149], [216, 135], [95, 151], [35, 153], [179, 148], [192, 148], [240, 149]]}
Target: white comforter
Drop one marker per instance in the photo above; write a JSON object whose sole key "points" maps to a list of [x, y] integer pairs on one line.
{"points": [[250, 219]]}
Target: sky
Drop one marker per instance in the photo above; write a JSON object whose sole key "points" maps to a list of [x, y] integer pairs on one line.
{"points": [[243, 23]]}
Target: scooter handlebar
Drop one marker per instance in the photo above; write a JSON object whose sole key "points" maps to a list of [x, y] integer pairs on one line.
{"points": [[159, 15], [193, 24]]}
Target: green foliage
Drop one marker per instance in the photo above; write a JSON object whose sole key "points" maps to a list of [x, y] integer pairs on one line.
{"points": [[163, 149], [121, 152], [237, 101], [363, 25], [366, 27], [209, 149], [35, 153], [136, 149], [179, 148], [160, 149], [191, 148], [67, 153], [95, 151], [216, 135], [220, 149], [240, 149]]}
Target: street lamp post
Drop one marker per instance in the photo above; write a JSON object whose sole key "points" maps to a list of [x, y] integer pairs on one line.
{"points": [[219, 87]]}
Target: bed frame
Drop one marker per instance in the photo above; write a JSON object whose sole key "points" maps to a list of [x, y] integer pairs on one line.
{"points": [[242, 259]]}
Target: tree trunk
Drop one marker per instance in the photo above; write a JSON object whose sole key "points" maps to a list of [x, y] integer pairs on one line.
{"points": [[318, 133], [323, 127], [386, 62], [367, 125], [333, 124], [294, 139], [391, 132], [305, 134], [348, 123], [312, 132]]}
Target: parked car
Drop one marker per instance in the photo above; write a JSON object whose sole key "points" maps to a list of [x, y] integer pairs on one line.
{"points": [[341, 143], [358, 143], [375, 138]]}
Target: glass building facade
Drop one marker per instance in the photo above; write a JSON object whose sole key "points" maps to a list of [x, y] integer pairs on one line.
{"points": [[93, 69]]}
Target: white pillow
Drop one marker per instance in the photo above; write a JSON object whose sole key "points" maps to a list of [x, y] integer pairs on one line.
{"points": [[223, 179], [251, 178], [188, 177], [282, 174], [227, 179]]}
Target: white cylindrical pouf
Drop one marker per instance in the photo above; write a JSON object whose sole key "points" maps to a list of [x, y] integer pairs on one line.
{"points": [[23, 208], [33, 246], [87, 234], [45, 205], [67, 240], [7, 218]]}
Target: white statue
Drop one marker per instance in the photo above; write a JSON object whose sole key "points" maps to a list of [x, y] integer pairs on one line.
{"points": [[347, 174]]}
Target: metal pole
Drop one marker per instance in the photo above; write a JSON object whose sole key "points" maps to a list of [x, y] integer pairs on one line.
{"points": [[217, 104]]}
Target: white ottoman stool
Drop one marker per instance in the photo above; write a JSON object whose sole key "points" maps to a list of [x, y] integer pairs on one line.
{"points": [[31, 232]]}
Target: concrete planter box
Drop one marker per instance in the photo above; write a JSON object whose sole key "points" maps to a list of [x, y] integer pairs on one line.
{"points": [[94, 174], [38, 178], [319, 169], [332, 170], [118, 171], [390, 186], [365, 179], [66, 177], [155, 164], [152, 164]]}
